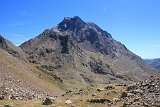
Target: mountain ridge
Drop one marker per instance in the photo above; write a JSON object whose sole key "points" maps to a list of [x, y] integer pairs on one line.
{"points": [[75, 44], [11, 48], [153, 62]]}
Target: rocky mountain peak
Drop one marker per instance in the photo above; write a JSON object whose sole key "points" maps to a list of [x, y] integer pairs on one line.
{"points": [[88, 35], [71, 24], [77, 45]]}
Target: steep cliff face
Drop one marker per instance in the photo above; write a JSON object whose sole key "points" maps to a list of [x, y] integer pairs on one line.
{"points": [[81, 52]]}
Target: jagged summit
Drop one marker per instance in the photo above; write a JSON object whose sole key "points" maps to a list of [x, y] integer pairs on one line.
{"points": [[74, 23], [88, 35], [77, 28]]}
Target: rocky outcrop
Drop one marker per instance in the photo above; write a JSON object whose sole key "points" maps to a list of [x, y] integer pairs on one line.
{"points": [[146, 93], [11, 49]]}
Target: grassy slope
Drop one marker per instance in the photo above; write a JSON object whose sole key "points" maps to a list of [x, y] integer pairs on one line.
{"points": [[12, 66]]}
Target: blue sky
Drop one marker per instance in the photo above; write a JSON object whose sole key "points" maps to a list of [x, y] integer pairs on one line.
{"points": [[135, 23]]}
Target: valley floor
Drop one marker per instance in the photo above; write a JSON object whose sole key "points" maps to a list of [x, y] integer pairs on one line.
{"points": [[79, 98], [100, 95]]}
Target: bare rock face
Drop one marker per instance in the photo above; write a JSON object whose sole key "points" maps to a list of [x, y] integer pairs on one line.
{"points": [[11, 49], [83, 52]]}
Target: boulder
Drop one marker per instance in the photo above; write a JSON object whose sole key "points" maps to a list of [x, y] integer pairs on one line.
{"points": [[8, 105], [124, 94], [48, 101], [68, 102], [100, 89], [94, 94]]}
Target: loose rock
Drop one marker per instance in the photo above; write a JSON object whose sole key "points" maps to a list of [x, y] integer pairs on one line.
{"points": [[68, 102], [47, 101]]}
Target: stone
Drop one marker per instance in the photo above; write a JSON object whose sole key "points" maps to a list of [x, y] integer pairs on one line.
{"points": [[109, 87], [8, 105], [1, 97], [100, 101], [94, 94], [137, 91], [47, 101], [68, 102], [116, 99], [129, 88], [130, 95], [124, 94], [100, 89], [73, 105]]}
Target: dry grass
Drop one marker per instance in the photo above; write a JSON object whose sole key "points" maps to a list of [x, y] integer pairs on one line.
{"points": [[20, 70], [78, 100]]}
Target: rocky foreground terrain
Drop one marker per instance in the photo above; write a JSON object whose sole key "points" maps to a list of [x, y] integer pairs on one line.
{"points": [[75, 64], [142, 94]]}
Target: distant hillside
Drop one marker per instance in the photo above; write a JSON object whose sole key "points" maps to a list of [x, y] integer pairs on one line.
{"points": [[154, 62]]}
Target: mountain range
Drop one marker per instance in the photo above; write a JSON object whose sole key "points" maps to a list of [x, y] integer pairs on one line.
{"points": [[73, 54], [154, 62]]}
